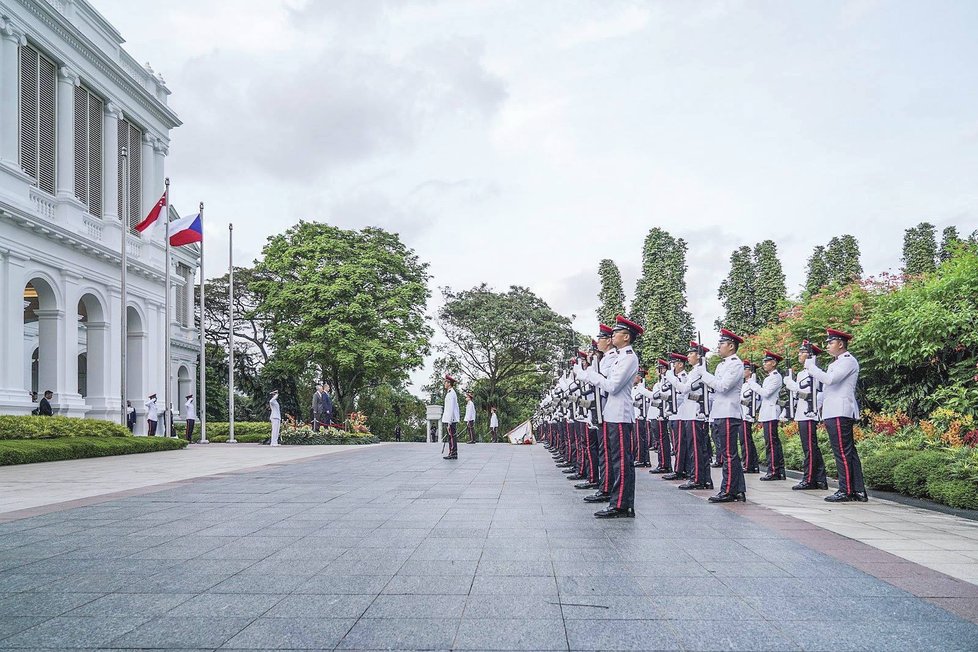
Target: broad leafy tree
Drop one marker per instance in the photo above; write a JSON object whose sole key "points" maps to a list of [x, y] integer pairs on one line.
{"points": [[345, 306]]}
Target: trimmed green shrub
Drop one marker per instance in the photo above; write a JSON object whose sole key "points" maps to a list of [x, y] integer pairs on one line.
{"points": [[31, 427], [303, 435], [954, 493], [26, 451], [910, 477], [878, 467], [241, 428]]}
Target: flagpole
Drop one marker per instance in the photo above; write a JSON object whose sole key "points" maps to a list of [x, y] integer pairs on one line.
{"points": [[202, 404], [124, 222], [230, 335], [168, 407]]}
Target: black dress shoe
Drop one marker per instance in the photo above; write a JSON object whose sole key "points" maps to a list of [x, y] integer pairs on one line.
{"points": [[642, 464], [674, 476], [575, 476], [803, 486], [860, 496], [564, 465], [599, 497], [613, 512], [586, 485], [728, 498], [772, 476], [569, 469], [822, 485], [659, 469], [450, 457], [695, 485], [839, 497]]}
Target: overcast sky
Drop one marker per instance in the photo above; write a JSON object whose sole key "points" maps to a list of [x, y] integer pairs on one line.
{"points": [[519, 142]]}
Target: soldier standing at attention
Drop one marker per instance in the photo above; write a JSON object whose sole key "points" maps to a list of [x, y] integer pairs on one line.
{"points": [[677, 378], [493, 424], [190, 416], [696, 425], [661, 433], [749, 408], [619, 418], [470, 416], [806, 416], [152, 416], [450, 417], [728, 419], [275, 416], [769, 415], [839, 412]]}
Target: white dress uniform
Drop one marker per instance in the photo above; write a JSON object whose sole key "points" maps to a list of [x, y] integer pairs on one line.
{"points": [[450, 416], [727, 381], [840, 409], [813, 465], [768, 417], [275, 416]]}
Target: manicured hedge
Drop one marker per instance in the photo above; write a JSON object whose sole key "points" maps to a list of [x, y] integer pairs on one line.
{"points": [[910, 477], [878, 467], [220, 429], [16, 427], [325, 437], [954, 493], [26, 451]]}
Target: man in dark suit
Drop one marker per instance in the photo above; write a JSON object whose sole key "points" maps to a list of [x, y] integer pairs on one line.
{"points": [[317, 408], [44, 409], [326, 406]]}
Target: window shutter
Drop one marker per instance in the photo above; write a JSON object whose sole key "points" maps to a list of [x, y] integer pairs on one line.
{"points": [[129, 136], [47, 92], [95, 110], [38, 81], [81, 144], [28, 110]]}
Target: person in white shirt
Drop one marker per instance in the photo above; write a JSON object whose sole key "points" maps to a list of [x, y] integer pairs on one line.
{"points": [[770, 414], [728, 419], [493, 424], [751, 407], [190, 416], [601, 359], [642, 436], [619, 418], [152, 415], [449, 417], [678, 380], [470, 416], [807, 408], [275, 416], [660, 406], [695, 434], [839, 412]]}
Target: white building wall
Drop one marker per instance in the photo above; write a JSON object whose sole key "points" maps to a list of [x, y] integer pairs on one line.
{"points": [[74, 254]]}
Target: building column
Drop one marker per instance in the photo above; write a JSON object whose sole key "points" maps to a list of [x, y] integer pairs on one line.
{"points": [[100, 400], [10, 38], [110, 162], [147, 188], [65, 171], [49, 326], [14, 385]]}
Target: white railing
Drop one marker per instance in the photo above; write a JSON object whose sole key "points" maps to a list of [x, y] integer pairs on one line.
{"points": [[44, 204], [93, 228], [134, 248]]}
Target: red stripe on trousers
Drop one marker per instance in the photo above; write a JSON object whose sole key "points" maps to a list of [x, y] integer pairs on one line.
{"points": [[607, 462], [811, 458], [842, 454], [696, 453]]}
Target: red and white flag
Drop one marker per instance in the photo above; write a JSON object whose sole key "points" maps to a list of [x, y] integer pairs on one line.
{"points": [[154, 214]]}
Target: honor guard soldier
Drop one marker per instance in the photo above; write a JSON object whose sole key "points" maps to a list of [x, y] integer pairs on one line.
{"points": [[839, 412], [470, 416], [677, 379], [661, 400], [600, 360], [727, 381], [450, 417], [640, 439], [807, 408], [619, 415], [493, 424], [770, 413], [751, 406], [696, 425]]}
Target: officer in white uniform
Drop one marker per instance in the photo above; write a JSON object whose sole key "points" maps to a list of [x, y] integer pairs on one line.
{"points": [[275, 416], [840, 410], [450, 417], [152, 415], [619, 418], [190, 416], [660, 406], [470, 416], [678, 379], [750, 405], [727, 381], [494, 424], [770, 414], [807, 408]]}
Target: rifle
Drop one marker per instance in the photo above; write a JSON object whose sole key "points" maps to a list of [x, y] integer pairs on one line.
{"points": [[790, 409], [705, 399]]}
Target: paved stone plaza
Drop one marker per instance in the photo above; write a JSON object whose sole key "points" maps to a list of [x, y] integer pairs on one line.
{"points": [[390, 547]]}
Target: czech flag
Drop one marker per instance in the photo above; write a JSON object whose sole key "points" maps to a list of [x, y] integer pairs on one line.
{"points": [[186, 230]]}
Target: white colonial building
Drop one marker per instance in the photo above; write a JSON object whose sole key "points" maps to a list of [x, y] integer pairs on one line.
{"points": [[70, 99]]}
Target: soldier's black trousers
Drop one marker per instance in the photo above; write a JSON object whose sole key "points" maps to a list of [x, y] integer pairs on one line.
{"points": [[680, 446], [696, 433], [470, 426], [621, 460], [593, 455], [665, 444], [850, 470], [643, 453], [452, 440], [813, 466], [747, 448], [687, 446], [775, 454], [728, 431]]}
